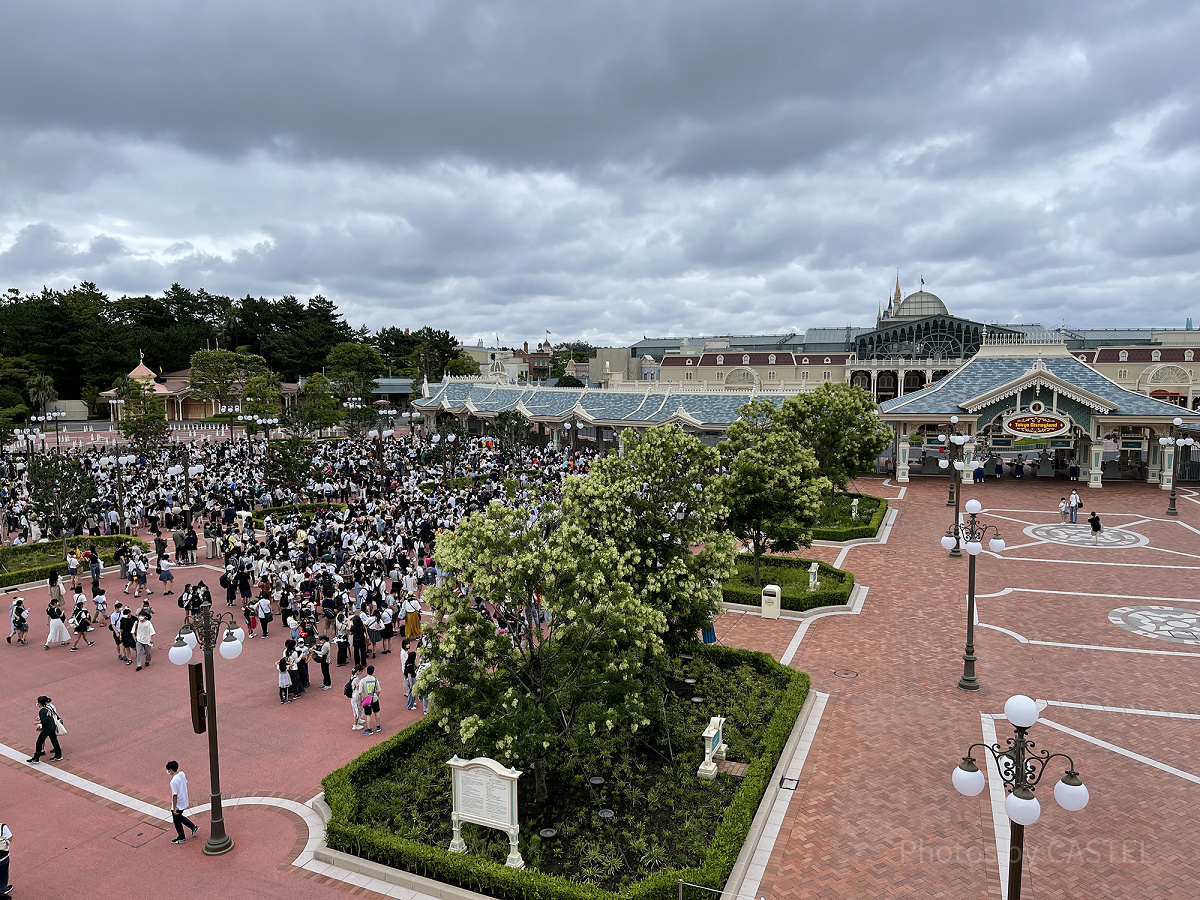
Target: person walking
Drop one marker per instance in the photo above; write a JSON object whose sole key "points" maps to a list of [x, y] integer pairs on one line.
{"points": [[358, 639], [352, 694], [1073, 504], [20, 621], [1097, 528], [128, 624], [48, 723], [144, 634], [285, 680], [179, 802], [82, 623], [1064, 510], [56, 619], [264, 613], [5, 844], [410, 675]]}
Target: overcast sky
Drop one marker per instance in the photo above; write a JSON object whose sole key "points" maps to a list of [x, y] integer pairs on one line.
{"points": [[608, 170]]}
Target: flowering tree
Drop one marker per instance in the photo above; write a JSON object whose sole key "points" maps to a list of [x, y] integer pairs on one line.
{"points": [[535, 697], [841, 425], [661, 504]]}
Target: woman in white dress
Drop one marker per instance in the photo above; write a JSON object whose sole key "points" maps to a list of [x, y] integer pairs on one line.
{"points": [[58, 626]]}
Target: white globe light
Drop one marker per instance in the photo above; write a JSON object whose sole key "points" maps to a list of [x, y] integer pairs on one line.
{"points": [[1070, 793], [959, 464], [973, 507], [954, 420], [1021, 711], [239, 633], [942, 438], [996, 545], [189, 637], [1178, 421], [974, 547], [230, 648], [943, 463], [1164, 441], [1023, 810], [180, 654], [947, 542], [968, 782]]}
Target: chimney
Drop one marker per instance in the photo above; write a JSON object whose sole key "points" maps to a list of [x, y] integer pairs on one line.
{"points": [[480, 344], [527, 346]]}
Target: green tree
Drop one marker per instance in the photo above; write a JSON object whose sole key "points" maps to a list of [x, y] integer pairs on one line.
{"points": [[260, 397], [546, 696], [289, 466], [315, 410], [661, 504], [773, 490], [512, 429], [570, 381], [839, 423], [41, 391], [219, 375], [357, 420], [143, 421], [354, 369], [62, 491]]}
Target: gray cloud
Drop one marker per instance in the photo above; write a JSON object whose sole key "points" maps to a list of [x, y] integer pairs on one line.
{"points": [[608, 170]]}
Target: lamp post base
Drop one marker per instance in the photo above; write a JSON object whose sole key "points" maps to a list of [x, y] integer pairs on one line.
{"points": [[968, 682], [218, 846], [956, 553]]}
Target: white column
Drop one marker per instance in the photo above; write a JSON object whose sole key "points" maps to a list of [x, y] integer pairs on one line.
{"points": [[1168, 466], [1095, 471], [1153, 460], [902, 449], [968, 472]]}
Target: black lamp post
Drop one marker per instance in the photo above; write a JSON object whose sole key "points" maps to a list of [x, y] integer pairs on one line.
{"points": [[957, 441], [972, 534], [210, 631], [1021, 767], [1178, 441]]}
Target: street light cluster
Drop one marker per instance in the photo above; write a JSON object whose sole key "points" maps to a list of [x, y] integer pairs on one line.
{"points": [[1021, 766], [1178, 441]]}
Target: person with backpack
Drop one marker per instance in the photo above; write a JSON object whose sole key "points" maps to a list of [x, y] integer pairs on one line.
{"points": [[350, 691], [368, 692], [81, 622], [321, 654]]}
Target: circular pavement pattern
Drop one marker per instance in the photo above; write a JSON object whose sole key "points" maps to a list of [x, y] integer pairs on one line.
{"points": [[1081, 536], [1166, 623]]}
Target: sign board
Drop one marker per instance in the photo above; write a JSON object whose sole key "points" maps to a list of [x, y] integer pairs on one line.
{"points": [[1000, 443], [1132, 444], [1062, 444], [484, 792], [714, 748], [1043, 425]]}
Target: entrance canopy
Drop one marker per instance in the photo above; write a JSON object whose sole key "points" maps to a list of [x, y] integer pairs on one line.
{"points": [[1009, 392]]}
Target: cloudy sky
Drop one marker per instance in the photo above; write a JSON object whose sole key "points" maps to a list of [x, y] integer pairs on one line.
{"points": [[608, 170]]}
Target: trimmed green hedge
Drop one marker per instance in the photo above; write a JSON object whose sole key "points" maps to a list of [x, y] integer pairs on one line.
{"points": [[853, 532], [791, 574], [32, 562], [260, 515], [344, 833]]}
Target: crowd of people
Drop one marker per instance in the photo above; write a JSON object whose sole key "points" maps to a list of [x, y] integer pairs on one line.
{"points": [[336, 568]]}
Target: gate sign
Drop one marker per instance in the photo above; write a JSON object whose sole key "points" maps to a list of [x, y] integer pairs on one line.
{"points": [[1043, 425]]}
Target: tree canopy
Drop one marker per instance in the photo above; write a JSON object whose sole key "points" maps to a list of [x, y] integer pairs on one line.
{"points": [[841, 426]]}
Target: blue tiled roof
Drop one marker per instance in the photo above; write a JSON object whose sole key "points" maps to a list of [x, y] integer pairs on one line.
{"points": [[983, 373]]}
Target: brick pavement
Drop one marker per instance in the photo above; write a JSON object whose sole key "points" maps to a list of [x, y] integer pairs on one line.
{"points": [[875, 814]]}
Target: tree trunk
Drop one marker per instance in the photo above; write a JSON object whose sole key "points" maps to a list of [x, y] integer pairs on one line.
{"points": [[757, 557], [539, 776]]}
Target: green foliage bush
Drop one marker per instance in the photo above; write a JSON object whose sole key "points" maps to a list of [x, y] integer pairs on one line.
{"points": [[837, 525], [363, 782], [35, 562], [791, 574]]}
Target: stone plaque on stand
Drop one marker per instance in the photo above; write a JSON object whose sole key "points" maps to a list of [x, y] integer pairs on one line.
{"points": [[484, 792]]}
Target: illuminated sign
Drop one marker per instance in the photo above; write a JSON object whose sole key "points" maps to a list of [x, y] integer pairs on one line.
{"points": [[1041, 425]]}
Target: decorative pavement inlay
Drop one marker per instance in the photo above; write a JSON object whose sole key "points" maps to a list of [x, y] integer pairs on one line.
{"points": [[1080, 535], [1167, 623]]}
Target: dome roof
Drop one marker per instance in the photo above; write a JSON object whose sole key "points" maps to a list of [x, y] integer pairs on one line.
{"points": [[920, 304]]}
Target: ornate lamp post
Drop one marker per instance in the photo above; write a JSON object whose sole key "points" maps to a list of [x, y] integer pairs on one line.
{"points": [[1021, 767], [206, 629], [957, 441], [117, 464], [1179, 442], [972, 534]]}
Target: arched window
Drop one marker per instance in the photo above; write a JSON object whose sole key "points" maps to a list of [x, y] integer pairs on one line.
{"points": [[687, 375], [804, 375], [804, 361], [689, 362], [720, 376], [771, 375], [1122, 374], [720, 360], [771, 360], [1123, 356], [746, 360], [1155, 356], [1188, 355], [827, 360]]}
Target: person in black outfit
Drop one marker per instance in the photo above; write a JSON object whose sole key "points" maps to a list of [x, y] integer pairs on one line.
{"points": [[128, 641], [49, 729], [358, 638]]}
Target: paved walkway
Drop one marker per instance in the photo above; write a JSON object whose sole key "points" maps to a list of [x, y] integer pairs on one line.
{"points": [[874, 814]]}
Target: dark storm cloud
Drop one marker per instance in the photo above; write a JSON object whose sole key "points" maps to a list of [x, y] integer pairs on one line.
{"points": [[609, 169]]}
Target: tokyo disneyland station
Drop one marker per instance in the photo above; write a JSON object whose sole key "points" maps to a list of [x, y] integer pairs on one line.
{"points": [[1096, 405]]}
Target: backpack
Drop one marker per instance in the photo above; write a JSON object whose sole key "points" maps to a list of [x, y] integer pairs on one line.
{"points": [[348, 690], [224, 580]]}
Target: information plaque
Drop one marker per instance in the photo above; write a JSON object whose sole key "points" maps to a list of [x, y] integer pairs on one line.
{"points": [[484, 792]]}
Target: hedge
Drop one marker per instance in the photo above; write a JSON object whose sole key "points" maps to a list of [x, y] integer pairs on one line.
{"points": [[476, 873], [35, 553], [852, 532], [260, 515], [793, 585]]}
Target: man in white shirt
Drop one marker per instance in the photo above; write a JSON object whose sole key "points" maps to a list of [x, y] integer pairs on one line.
{"points": [[179, 802], [144, 635]]}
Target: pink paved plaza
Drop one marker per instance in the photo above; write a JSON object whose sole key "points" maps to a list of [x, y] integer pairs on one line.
{"points": [[874, 814]]}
